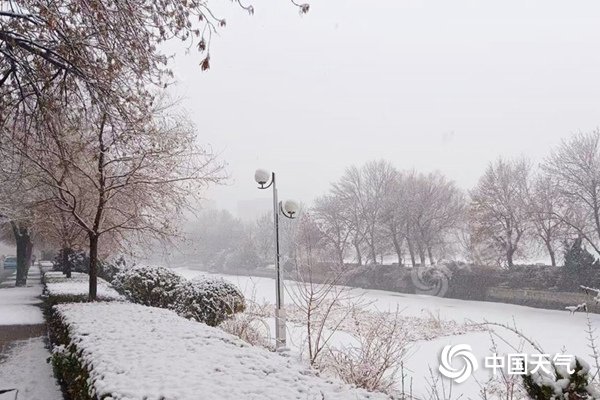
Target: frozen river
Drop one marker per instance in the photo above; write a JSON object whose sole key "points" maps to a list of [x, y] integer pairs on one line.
{"points": [[555, 331]]}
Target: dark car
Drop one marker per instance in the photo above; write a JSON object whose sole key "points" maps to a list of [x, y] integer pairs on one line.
{"points": [[10, 262]]}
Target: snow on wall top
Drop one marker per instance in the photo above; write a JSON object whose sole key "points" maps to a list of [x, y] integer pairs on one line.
{"points": [[140, 352]]}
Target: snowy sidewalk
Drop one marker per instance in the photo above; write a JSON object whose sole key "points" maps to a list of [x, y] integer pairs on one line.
{"points": [[23, 351], [20, 313]]}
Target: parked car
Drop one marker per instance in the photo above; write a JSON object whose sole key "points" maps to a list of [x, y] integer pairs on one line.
{"points": [[10, 262]]}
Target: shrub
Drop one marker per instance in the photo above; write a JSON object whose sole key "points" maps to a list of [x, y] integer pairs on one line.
{"points": [[70, 372], [562, 385], [150, 286], [578, 257], [208, 300], [250, 325], [108, 269], [374, 362], [77, 260]]}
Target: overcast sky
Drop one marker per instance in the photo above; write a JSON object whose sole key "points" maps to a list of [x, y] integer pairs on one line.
{"points": [[436, 85]]}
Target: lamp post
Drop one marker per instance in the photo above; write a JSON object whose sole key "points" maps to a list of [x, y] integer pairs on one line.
{"points": [[289, 209]]}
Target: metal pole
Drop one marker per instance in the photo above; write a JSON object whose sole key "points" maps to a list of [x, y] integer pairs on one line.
{"points": [[280, 331]]}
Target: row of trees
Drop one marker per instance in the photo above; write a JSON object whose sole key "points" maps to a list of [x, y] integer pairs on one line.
{"points": [[375, 213], [516, 205], [516, 209], [375, 210], [92, 154]]}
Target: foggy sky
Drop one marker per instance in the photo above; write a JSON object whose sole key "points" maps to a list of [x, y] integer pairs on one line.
{"points": [[432, 85]]}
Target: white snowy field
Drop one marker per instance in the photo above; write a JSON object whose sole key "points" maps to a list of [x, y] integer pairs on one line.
{"points": [[554, 331]]}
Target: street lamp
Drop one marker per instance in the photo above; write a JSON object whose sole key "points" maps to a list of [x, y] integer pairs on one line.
{"points": [[289, 209]]}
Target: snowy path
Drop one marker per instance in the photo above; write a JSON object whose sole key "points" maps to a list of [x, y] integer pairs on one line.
{"points": [[553, 330], [23, 351], [20, 305], [26, 369]]}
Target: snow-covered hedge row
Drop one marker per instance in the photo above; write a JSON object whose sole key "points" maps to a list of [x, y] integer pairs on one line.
{"points": [[150, 286], [128, 351], [60, 289], [208, 300]]}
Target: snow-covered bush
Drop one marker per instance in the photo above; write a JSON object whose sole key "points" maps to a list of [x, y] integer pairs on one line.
{"points": [[209, 300], [224, 289], [108, 269], [562, 385], [206, 299], [71, 374], [150, 286]]}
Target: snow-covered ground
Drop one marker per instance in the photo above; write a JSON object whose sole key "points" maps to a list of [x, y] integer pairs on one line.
{"points": [[78, 285], [25, 368], [555, 331], [140, 352], [20, 305], [23, 363]]}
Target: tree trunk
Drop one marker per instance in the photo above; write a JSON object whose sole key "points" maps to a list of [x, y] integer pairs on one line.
{"points": [[24, 251], [373, 254], [358, 254], [93, 266], [552, 254], [397, 248], [509, 257], [66, 262], [422, 255], [430, 255], [340, 254], [411, 251]]}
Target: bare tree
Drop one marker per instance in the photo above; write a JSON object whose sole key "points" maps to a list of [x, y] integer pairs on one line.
{"points": [[395, 215], [498, 211], [575, 167], [423, 211], [322, 306], [379, 177], [330, 214], [347, 190], [129, 181], [546, 204], [438, 211], [363, 191]]}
